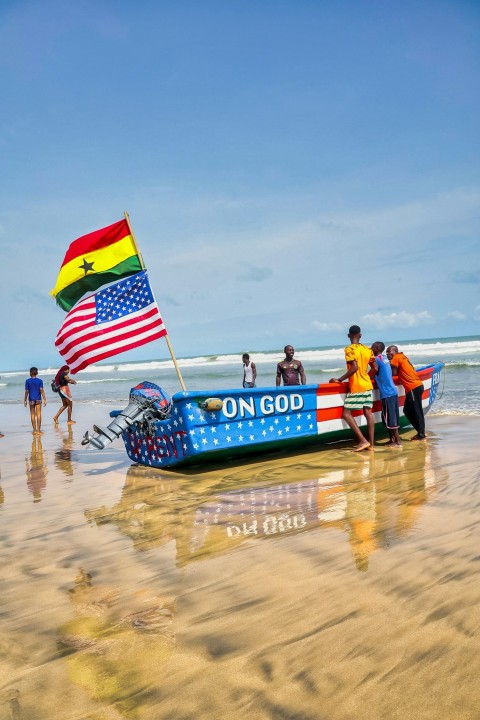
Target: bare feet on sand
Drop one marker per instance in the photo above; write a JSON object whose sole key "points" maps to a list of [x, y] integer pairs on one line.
{"points": [[419, 437], [71, 422], [393, 445], [362, 446]]}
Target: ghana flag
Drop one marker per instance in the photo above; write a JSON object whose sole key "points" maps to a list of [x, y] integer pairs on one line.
{"points": [[94, 260]]}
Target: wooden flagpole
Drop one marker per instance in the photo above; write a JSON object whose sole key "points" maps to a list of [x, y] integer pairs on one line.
{"points": [[182, 384]]}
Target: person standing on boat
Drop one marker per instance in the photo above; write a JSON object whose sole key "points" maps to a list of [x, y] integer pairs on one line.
{"points": [[289, 370], [63, 380], [360, 396], [412, 408], [382, 373], [249, 371]]}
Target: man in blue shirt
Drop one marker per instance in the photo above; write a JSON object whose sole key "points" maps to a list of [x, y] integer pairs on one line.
{"points": [[382, 373], [34, 393]]}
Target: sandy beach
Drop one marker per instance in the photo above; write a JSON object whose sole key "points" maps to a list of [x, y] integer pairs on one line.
{"points": [[324, 585]]}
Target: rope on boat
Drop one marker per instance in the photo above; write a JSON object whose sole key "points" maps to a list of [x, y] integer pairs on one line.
{"points": [[443, 384]]}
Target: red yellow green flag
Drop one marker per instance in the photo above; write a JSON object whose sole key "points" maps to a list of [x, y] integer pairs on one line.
{"points": [[94, 260]]}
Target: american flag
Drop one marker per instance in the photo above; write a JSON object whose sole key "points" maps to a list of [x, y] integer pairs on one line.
{"points": [[119, 317]]}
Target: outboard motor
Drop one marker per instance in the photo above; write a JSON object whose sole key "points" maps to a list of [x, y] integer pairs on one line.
{"points": [[147, 403]]}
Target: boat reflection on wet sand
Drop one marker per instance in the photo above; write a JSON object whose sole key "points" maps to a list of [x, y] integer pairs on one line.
{"points": [[374, 500]]}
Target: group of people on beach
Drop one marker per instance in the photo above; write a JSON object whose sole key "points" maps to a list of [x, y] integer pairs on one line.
{"points": [[35, 396], [364, 364], [289, 370]]}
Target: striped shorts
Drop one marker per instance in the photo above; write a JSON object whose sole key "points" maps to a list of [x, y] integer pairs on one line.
{"points": [[358, 401]]}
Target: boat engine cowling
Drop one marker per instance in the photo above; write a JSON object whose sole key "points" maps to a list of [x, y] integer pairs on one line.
{"points": [[147, 403]]}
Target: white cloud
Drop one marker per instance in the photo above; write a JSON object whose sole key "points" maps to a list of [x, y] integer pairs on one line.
{"points": [[401, 319], [327, 327], [456, 315], [409, 220]]}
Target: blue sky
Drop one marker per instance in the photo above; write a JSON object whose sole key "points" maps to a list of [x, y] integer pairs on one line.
{"points": [[290, 168]]}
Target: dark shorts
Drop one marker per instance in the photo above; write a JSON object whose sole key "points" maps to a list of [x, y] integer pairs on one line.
{"points": [[32, 403], [390, 412]]}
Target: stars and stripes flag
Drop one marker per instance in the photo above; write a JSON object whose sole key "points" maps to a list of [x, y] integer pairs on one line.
{"points": [[119, 317]]}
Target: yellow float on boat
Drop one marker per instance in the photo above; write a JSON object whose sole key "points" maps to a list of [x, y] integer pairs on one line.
{"points": [[211, 404]]}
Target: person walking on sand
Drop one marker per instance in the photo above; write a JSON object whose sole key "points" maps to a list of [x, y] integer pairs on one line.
{"points": [[63, 381], [289, 370], [382, 373], [412, 408], [249, 371], [360, 396], [34, 393]]}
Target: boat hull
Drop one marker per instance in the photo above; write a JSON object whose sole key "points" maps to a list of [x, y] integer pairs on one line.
{"points": [[255, 421]]}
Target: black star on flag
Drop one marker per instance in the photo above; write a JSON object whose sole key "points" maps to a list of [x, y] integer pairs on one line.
{"points": [[86, 267]]}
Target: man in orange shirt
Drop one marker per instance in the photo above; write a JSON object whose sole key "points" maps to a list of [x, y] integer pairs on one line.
{"points": [[358, 358], [413, 408]]}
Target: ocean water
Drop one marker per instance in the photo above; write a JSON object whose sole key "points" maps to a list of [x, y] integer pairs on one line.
{"points": [[109, 383]]}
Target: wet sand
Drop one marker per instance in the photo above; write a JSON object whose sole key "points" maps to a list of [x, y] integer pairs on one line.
{"points": [[329, 585]]}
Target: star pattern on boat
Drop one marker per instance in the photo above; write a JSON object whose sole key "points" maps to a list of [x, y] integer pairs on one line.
{"points": [[155, 451]]}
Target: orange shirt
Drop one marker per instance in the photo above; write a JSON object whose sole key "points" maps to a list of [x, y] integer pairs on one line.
{"points": [[405, 371], [359, 382]]}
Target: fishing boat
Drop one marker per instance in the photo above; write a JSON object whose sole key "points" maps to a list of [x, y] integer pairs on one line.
{"points": [[194, 427]]}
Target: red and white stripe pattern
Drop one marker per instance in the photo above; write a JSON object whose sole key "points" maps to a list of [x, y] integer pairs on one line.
{"points": [[121, 316], [330, 404]]}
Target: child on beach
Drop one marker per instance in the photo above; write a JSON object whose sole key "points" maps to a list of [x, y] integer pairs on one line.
{"points": [[34, 393], [382, 373], [358, 358], [63, 381]]}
